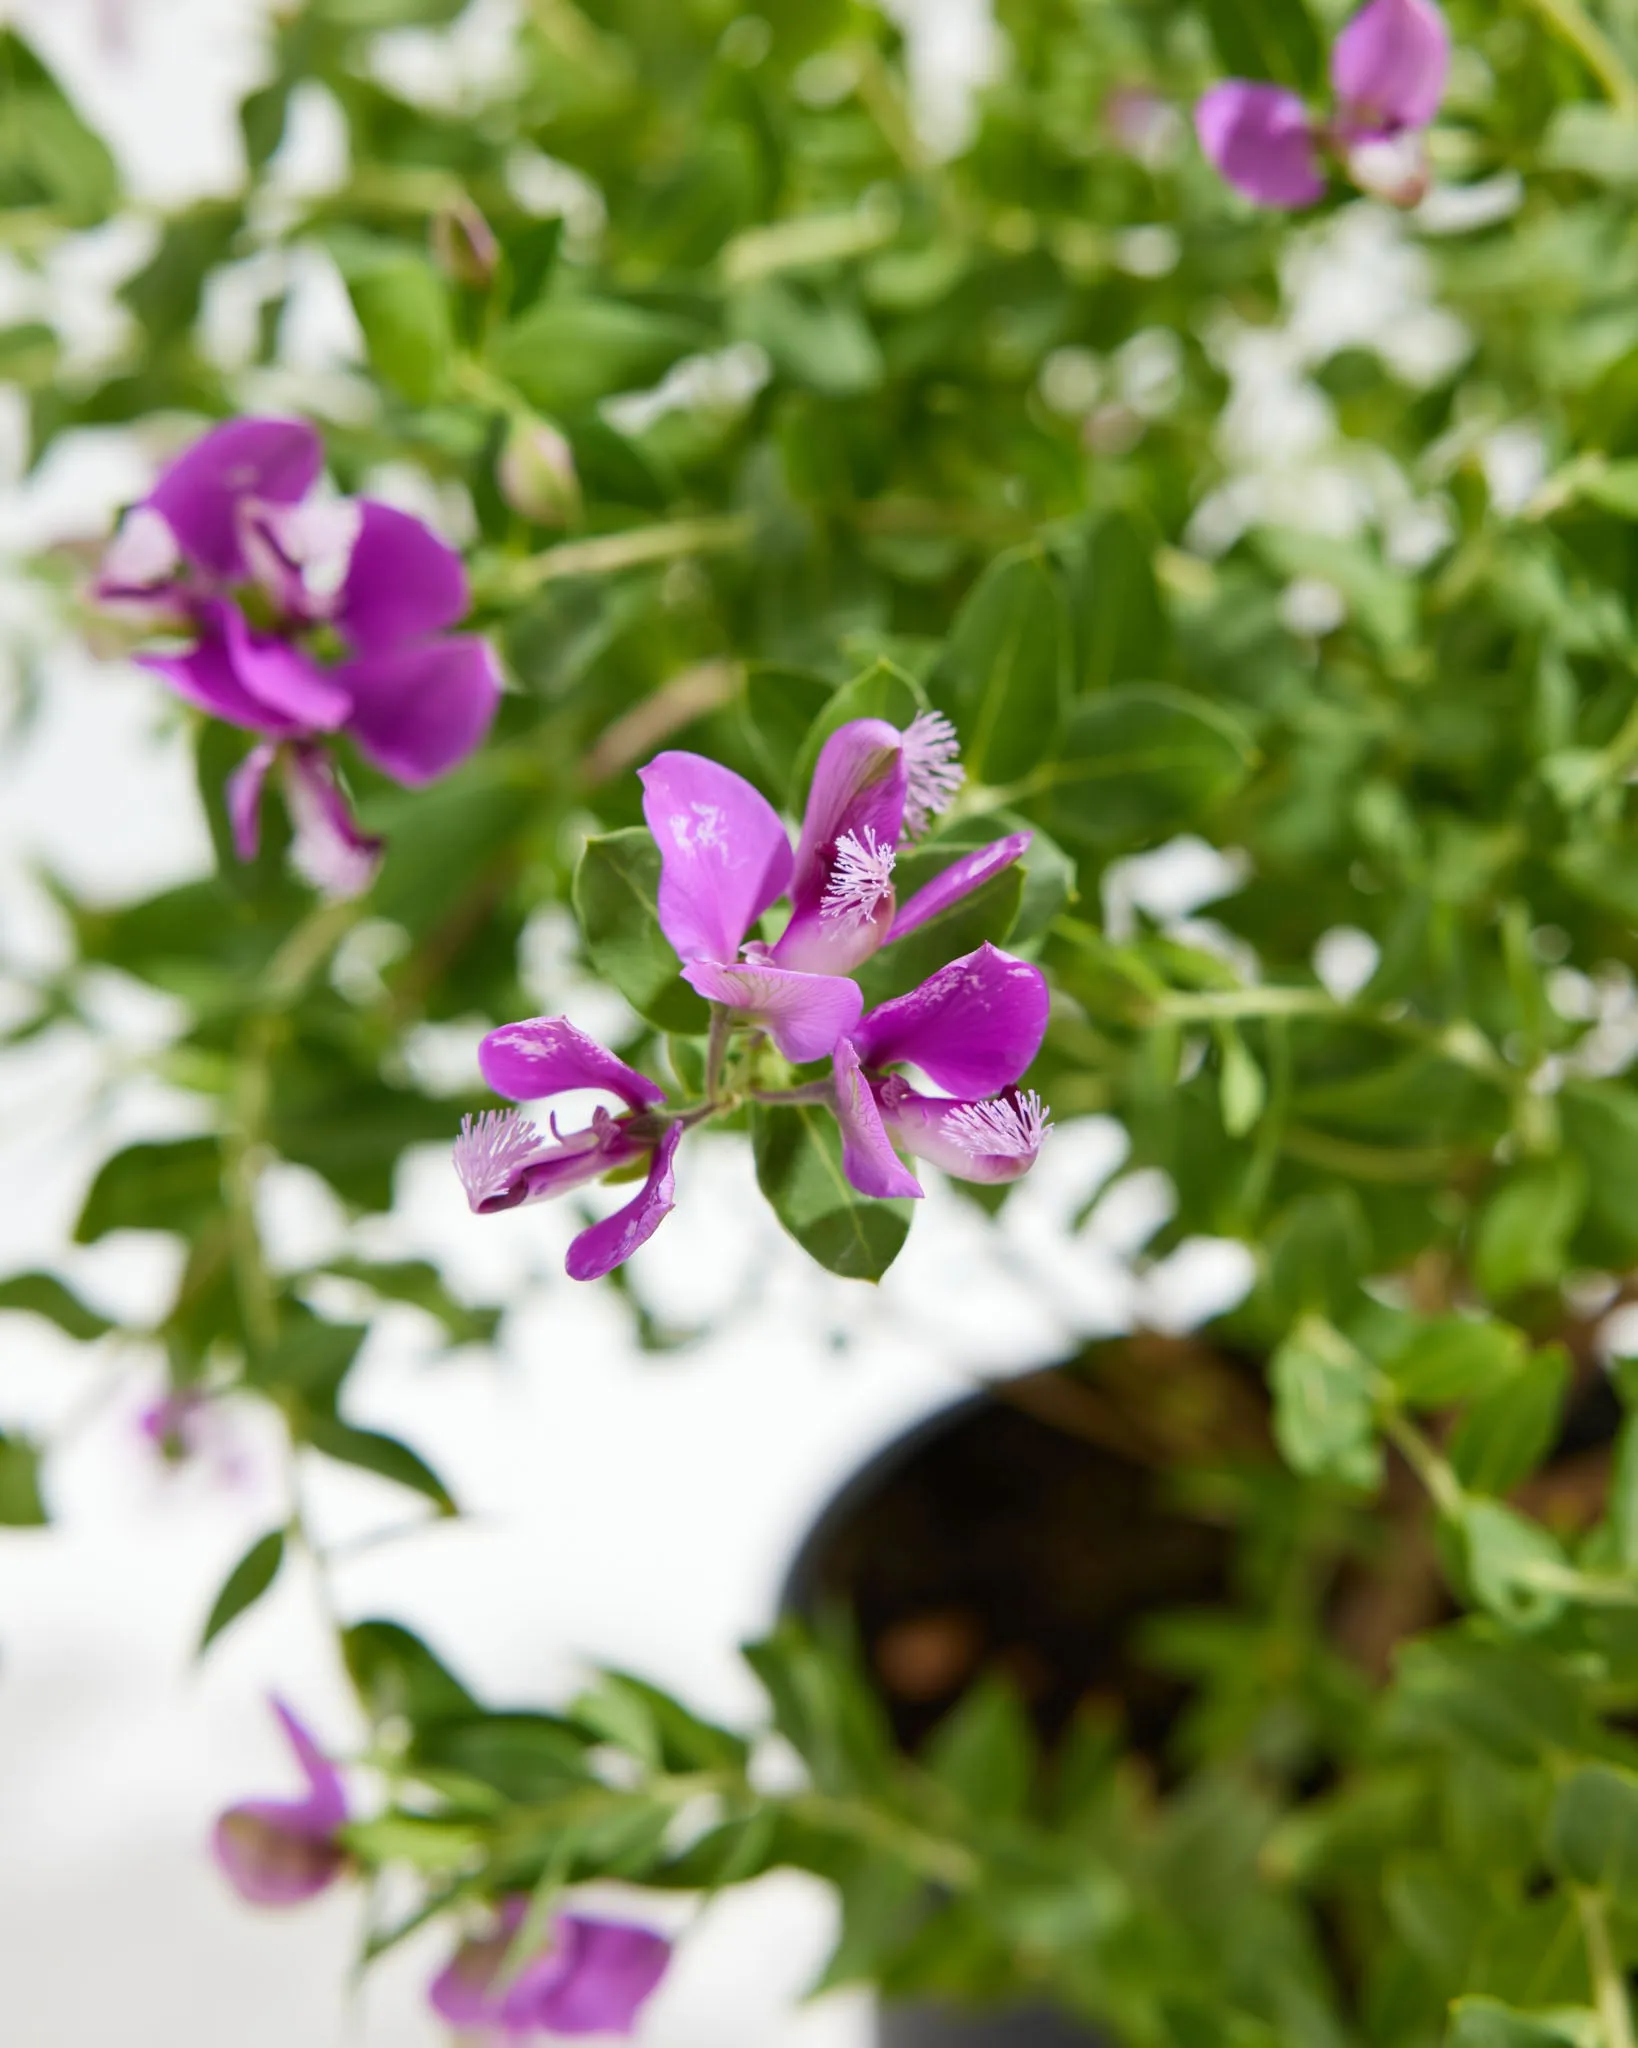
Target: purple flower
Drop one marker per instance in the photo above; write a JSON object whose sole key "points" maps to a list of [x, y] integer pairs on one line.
{"points": [[277, 1852], [725, 859], [973, 1029], [504, 1161], [1388, 71], [231, 533], [593, 1977]]}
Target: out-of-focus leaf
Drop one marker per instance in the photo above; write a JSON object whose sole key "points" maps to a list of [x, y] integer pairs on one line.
{"points": [[799, 1170], [21, 1506], [175, 1186], [403, 307], [42, 1294], [249, 1579], [616, 897], [1138, 763], [1003, 676], [385, 1456]]}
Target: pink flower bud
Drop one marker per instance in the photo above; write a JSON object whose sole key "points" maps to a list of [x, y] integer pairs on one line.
{"points": [[537, 476]]}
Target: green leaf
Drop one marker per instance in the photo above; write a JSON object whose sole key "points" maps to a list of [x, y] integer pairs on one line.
{"points": [[48, 155], [396, 1674], [825, 1709], [780, 707], [1592, 1833], [1600, 142], [1623, 1501], [616, 898], [419, 1283], [1506, 1433], [1121, 629], [1325, 1407], [1486, 2023], [677, 1739], [419, 1842], [984, 1752], [1003, 676], [1524, 1230], [815, 339], [1242, 1091], [1505, 1555], [525, 1757], [370, 1451], [799, 1169], [42, 1294], [1273, 39], [403, 307], [1456, 1358], [165, 295], [1138, 764], [175, 1186], [566, 353], [249, 1579], [1601, 1125], [21, 1506]]}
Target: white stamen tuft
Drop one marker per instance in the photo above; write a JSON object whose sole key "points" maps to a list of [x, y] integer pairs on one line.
{"points": [[492, 1151], [1010, 1127], [933, 766], [861, 879]]}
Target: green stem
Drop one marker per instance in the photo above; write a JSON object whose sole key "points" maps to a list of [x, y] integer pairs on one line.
{"points": [[810, 1091], [1573, 25], [942, 1862], [1443, 1487], [608, 553], [1609, 1988], [716, 1050]]}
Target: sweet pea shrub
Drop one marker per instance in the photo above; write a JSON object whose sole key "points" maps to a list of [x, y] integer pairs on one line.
{"points": [[1230, 439]]}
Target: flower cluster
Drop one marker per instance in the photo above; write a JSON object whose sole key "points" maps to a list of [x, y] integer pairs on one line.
{"points": [[972, 1029], [585, 1977], [1388, 72], [302, 617]]}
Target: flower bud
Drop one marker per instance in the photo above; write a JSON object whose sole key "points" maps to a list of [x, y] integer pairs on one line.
{"points": [[537, 476], [464, 244]]}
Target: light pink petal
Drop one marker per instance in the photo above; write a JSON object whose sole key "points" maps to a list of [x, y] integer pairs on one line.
{"points": [[545, 1056], [973, 1028], [199, 495], [325, 1807], [804, 1014], [328, 848], [1261, 140], [859, 785], [724, 856], [417, 712], [403, 582], [960, 879], [868, 1158], [612, 1972], [244, 799], [1389, 67], [597, 1251], [991, 1142]]}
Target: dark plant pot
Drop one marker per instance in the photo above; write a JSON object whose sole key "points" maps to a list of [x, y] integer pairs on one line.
{"points": [[1028, 1532]]}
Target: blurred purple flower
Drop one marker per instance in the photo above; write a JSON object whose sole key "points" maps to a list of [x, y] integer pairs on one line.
{"points": [[503, 1160], [973, 1028], [278, 1852], [594, 1977], [1389, 67], [230, 533]]}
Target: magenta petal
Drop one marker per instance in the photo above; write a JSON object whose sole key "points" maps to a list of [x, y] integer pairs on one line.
{"points": [[804, 1014], [207, 678], [597, 1251], [1261, 140], [289, 682], [466, 1991], [724, 857], [859, 785], [403, 582], [1389, 67], [612, 1971], [960, 879], [199, 495], [244, 799], [417, 712], [973, 1028], [868, 1158], [325, 1808], [545, 1056], [991, 1142], [328, 848]]}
